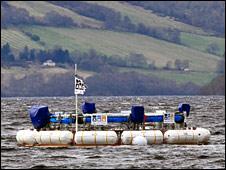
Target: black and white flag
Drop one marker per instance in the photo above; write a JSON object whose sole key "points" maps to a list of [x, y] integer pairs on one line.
{"points": [[80, 86]]}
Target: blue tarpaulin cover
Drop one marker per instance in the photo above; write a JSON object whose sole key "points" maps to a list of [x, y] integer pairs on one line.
{"points": [[184, 107], [39, 116], [88, 107], [137, 114]]}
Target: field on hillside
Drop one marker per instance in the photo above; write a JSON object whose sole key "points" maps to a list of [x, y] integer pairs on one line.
{"points": [[17, 39], [139, 15], [40, 8], [201, 43], [116, 43]]}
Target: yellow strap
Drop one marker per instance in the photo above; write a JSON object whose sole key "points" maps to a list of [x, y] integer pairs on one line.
{"points": [[106, 139], [50, 138], [95, 140], [131, 137], [154, 137], [193, 137], [178, 137], [41, 139], [82, 137], [59, 139]]}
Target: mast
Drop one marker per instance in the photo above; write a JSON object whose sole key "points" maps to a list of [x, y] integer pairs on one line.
{"points": [[76, 104]]}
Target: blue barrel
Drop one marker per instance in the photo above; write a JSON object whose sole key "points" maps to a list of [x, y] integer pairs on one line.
{"points": [[53, 120], [178, 118], [67, 120]]}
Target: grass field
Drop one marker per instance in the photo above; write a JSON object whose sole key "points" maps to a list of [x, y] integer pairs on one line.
{"points": [[201, 43], [112, 43], [17, 39], [40, 8], [139, 15]]}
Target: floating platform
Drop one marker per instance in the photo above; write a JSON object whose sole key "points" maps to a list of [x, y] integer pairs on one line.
{"points": [[103, 138], [133, 127]]}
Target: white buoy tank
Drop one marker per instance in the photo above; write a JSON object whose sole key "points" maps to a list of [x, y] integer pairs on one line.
{"points": [[96, 138], [54, 137], [26, 137], [152, 136], [188, 136]]}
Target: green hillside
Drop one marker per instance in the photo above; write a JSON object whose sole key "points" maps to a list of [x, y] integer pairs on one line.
{"points": [[140, 15], [201, 43], [40, 8], [105, 29], [17, 39], [116, 43]]}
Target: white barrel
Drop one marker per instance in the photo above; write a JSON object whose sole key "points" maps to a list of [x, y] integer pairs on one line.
{"points": [[26, 137], [188, 136], [54, 137], [96, 138], [152, 136]]}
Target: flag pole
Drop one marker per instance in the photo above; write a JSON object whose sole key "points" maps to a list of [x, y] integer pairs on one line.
{"points": [[76, 104]]}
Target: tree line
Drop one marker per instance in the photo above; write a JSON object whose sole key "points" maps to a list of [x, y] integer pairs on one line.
{"points": [[103, 84], [113, 20], [12, 16], [106, 84], [209, 15], [90, 60]]}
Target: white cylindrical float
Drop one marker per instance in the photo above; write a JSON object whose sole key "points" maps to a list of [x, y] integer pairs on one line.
{"points": [[152, 136], [96, 138], [188, 136], [26, 137], [54, 137]]}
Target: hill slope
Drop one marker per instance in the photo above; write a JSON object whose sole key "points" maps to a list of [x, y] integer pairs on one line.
{"points": [[116, 43], [91, 31], [40, 8], [140, 15]]}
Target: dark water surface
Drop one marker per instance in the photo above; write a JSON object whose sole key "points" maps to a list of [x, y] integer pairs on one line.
{"points": [[207, 112]]}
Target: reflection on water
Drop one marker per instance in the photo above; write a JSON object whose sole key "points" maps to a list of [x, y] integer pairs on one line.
{"points": [[207, 112]]}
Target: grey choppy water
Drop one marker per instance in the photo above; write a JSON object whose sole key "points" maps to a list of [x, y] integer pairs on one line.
{"points": [[206, 111]]}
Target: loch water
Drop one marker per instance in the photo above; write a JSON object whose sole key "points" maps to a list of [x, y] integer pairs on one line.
{"points": [[206, 111]]}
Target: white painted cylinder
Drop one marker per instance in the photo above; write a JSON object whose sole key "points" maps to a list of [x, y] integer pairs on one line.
{"points": [[188, 136], [96, 138], [26, 137], [152, 136], [54, 137]]}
